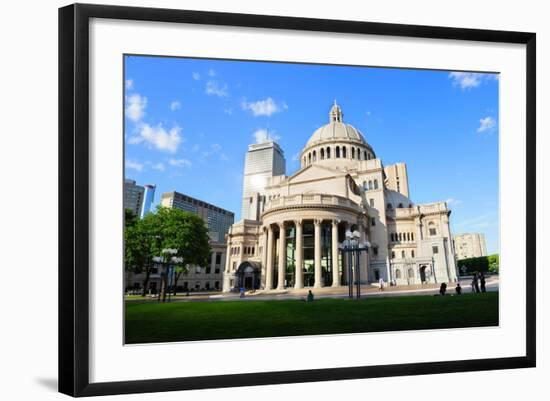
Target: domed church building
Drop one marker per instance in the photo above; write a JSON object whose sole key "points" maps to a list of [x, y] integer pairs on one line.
{"points": [[292, 226]]}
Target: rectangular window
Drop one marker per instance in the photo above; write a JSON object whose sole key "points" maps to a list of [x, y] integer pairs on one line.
{"points": [[371, 202], [435, 249], [375, 251], [432, 232], [218, 258], [372, 221]]}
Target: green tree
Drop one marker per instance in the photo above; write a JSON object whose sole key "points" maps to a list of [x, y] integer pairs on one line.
{"points": [[140, 244], [493, 263], [166, 228], [185, 232]]}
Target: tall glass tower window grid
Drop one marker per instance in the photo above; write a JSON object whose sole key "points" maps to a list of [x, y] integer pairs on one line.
{"points": [[262, 162]]}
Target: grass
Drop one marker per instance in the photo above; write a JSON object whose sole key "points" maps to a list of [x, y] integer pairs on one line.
{"points": [[188, 321]]}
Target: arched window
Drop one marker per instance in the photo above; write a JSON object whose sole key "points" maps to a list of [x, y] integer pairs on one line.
{"points": [[408, 236], [305, 160], [365, 155], [399, 236], [412, 253], [398, 273], [375, 184], [328, 153], [322, 154], [309, 158], [400, 205], [392, 254], [388, 206], [314, 155], [412, 236], [391, 237], [344, 152], [353, 153], [337, 152], [411, 273], [358, 154], [370, 185], [403, 254]]}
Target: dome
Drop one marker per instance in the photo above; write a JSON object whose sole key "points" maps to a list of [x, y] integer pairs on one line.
{"points": [[336, 129]]}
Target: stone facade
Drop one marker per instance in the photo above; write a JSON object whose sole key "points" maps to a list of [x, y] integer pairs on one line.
{"points": [[341, 185], [470, 245]]}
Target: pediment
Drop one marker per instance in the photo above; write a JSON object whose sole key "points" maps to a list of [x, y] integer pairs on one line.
{"points": [[314, 172]]}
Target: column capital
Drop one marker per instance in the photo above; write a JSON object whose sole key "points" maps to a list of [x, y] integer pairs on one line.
{"points": [[317, 222], [281, 225], [335, 222], [298, 222]]}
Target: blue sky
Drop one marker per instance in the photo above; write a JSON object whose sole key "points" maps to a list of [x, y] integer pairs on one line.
{"points": [[188, 123]]}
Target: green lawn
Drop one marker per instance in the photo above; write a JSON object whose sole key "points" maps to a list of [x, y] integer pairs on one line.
{"points": [[186, 321]]}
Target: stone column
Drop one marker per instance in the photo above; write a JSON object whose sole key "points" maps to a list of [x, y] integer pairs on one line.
{"points": [[363, 258], [299, 253], [335, 252], [264, 257], [228, 258], [318, 272], [241, 254], [269, 268], [282, 257], [213, 262], [345, 259]]}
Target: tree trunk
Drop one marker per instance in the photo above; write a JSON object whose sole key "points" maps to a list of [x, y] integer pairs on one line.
{"points": [[163, 285], [146, 281], [175, 283]]}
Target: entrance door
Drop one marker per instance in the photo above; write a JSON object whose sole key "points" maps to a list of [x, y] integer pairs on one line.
{"points": [[249, 282], [423, 274]]}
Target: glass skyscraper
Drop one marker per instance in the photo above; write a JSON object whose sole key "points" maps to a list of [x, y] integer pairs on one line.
{"points": [[263, 160]]}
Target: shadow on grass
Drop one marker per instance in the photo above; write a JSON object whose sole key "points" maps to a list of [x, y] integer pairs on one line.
{"points": [[214, 320]]}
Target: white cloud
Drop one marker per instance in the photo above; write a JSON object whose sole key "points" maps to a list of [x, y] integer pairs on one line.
{"points": [[468, 80], [211, 73], [175, 105], [134, 165], [158, 167], [135, 107], [213, 88], [265, 107], [180, 162], [196, 76], [224, 157], [453, 201], [129, 84], [263, 135], [158, 137], [486, 124]]}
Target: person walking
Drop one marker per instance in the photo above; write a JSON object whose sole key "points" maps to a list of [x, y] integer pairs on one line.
{"points": [[475, 284], [381, 283], [482, 282], [310, 296]]}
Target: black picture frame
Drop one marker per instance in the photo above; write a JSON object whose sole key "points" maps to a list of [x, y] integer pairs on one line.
{"points": [[74, 200]]}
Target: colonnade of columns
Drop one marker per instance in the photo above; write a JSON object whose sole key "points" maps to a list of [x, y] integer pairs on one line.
{"points": [[299, 254]]}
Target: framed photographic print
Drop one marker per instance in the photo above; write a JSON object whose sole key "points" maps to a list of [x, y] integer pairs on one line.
{"points": [[293, 199]]}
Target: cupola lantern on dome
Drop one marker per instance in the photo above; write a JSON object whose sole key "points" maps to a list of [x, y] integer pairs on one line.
{"points": [[335, 114]]}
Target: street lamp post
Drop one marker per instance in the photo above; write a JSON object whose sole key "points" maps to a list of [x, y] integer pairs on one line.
{"points": [[351, 248], [167, 260]]}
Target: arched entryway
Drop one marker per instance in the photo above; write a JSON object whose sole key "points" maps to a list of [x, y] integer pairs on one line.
{"points": [[423, 274], [248, 276]]}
